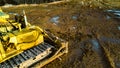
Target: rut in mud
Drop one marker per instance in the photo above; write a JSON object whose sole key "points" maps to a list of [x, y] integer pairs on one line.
{"points": [[97, 48]]}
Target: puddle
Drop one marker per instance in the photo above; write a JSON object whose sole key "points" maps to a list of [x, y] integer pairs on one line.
{"points": [[13, 13], [55, 19], [118, 65], [74, 17], [111, 40], [119, 28], [95, 44], [116, 13], [108, 17]]}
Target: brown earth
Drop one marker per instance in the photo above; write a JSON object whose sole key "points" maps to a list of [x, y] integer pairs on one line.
{"points": [[93, 39]]}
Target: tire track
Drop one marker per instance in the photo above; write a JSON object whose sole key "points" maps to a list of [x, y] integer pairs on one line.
{"points": [[100, 51]]}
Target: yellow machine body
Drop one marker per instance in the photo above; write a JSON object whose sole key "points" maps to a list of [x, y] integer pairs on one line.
{"points": [[17, 36], [17, 41]]}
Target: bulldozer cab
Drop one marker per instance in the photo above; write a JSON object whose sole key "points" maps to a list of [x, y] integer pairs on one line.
{"points": [[20, 19], [10, 25]]}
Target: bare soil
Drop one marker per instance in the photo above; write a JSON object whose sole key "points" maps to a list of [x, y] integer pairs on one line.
{"points": [[93, 39]]}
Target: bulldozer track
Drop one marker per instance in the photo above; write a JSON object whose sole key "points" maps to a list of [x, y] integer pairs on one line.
{"points": [[28, 57]]}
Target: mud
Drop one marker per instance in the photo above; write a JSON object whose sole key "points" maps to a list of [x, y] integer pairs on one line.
{"points": [[92, 33]]}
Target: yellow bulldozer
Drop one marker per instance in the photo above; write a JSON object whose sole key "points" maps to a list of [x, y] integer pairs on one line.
{"points": [[23, 44]]}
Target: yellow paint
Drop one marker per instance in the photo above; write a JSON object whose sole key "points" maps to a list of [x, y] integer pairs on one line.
{"points": [[20, 40], [15, 40]]}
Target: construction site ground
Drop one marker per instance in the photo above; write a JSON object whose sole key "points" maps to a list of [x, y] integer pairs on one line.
{"points": [[93, 37]]}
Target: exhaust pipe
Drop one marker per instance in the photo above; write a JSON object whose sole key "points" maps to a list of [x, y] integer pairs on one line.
{"points": [[25, 18]]}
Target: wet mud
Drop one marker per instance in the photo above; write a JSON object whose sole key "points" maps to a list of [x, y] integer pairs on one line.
{"points": [[93, 34]]}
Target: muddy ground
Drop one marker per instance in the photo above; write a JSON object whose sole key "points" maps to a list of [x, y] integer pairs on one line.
{"points": [[93, 38]]}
